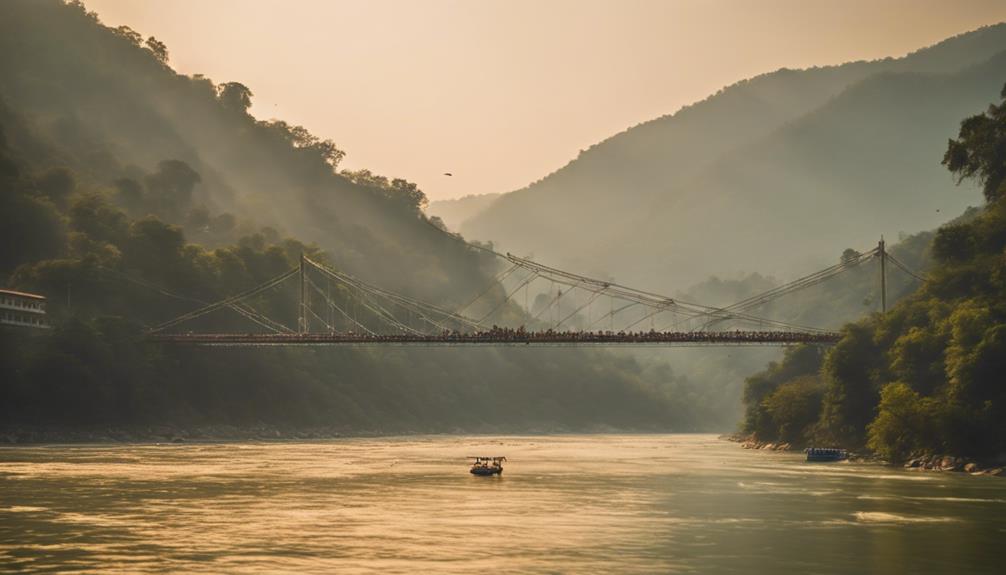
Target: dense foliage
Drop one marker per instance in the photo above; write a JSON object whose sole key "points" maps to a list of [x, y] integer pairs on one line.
{"points": [[766, 180], [130, 193], [928, 375]]}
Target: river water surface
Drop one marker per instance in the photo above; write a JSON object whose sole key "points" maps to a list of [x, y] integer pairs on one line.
{"points": [[565, 504]]}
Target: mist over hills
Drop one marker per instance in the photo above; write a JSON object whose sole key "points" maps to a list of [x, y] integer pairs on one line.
{"points": [[122, 180], [113, 163], [455, 211], [776, 174], [105, 107]]}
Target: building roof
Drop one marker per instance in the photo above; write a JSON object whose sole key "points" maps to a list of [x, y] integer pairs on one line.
{"points": [[22, 294]]}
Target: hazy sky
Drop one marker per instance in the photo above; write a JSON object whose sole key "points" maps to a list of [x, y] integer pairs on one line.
{"points": [[502, 92]]}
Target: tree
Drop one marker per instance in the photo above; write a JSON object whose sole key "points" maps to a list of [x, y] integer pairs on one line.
{"points": [[954, 242], [916, 357], [223, 223], [92, 215], [235, 96], [129, 195], [979, 152], [409, 193], [901, 424], [438, 223], [303, 140], [170, 188], [56, 184], [158, 49], [850, 255], [329, 152], [131, 36], [198, 218], [155, 248], [798, 362], [851, 393], [794, 407], [30, 229], [976, 355]]}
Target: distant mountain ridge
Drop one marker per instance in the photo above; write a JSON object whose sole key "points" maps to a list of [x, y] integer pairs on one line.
{"points": [[722, 166], [454, 211], [144, 192], [112, 109]]}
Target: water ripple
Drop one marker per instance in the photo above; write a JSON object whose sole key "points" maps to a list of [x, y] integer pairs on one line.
{"points": [[573, 503]]}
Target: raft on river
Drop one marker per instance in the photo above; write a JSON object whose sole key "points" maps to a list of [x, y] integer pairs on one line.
{"points": [[487, 465], [826, 454]]}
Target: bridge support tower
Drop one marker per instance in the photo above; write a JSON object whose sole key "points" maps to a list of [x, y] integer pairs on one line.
{"points": [[882, 252], [302, 325]]}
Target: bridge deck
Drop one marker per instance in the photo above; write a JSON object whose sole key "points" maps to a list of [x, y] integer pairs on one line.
{"points": [[730, 338]]}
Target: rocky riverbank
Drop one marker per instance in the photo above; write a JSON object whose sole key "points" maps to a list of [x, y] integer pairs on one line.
{"points": [[16, 435], [921, 462], [752, 442], [166, 434], [951, 463]]}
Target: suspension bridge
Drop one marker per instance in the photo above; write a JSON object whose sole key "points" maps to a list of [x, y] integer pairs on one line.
{"points": [[336, 308]]}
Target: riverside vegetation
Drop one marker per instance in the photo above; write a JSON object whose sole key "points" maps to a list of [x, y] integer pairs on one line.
{"points": [[122, 181], [765, 180], [926, 378]]}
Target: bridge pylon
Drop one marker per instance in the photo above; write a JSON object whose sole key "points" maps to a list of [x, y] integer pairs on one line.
{"points": [[302, 320], [882, 252]]}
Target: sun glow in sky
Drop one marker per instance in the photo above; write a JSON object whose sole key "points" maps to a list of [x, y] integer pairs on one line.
{"points": [[502, 92]]}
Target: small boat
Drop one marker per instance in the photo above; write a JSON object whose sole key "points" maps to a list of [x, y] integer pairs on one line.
{"points": [[826, 454], [487, 465]]}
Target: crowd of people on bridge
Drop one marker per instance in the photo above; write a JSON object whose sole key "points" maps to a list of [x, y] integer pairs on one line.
{"points": [[520, 335]]}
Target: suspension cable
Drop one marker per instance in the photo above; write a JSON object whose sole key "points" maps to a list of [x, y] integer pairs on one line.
{"points": [[496, 280], [905, 268], [612, 313], [802, 282], [527, 280], [334, 305], [420, 313], [397, 298], [590, 300], [226, 302], [649, 299]]}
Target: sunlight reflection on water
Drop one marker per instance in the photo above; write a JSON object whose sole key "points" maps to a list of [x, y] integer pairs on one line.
{"points": [[577, 503]]}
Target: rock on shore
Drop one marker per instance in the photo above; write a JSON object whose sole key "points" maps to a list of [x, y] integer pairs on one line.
{"points": [[751, 442], [920, 462], [951, 463]]}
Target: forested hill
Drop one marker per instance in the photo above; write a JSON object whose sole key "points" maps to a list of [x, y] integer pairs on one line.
{"points": [[926, 378], [454, 211], [773, 174], [106, 104], [129, 193]]}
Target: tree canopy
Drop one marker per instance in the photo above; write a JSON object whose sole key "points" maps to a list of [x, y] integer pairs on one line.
{"points": [[927, 376]]}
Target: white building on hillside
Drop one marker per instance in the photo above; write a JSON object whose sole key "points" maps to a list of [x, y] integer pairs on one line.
{"points": [[22, 309]]}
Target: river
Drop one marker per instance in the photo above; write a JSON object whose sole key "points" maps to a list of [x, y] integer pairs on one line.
{"points": [[564, 504]]}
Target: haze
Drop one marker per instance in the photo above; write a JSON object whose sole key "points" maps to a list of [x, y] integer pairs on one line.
{"points": [[502, 93], [776, 223]]}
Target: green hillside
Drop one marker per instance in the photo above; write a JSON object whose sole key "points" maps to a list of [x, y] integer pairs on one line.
{"points": [[925, 378], [110, 108], [129, 193], [742, 176]]}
